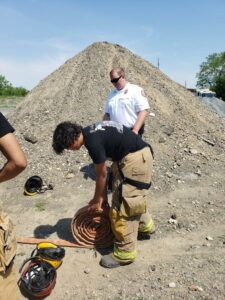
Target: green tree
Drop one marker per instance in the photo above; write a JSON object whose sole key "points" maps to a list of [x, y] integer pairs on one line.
{"points": [[6, 88], [219, 87], [4, 83], [212, 74]]}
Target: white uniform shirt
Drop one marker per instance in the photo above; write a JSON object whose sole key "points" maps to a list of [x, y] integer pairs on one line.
{"points": [[124, 105]]}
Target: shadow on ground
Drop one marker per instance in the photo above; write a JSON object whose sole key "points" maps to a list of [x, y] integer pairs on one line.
{"points": [[89, 171], [61, 228]]}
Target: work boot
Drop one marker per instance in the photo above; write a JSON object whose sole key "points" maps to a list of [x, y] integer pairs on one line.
{"points": [[109, 261], [143, 236]]}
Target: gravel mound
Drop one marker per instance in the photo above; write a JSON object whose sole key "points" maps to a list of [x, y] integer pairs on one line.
{"points": [[186, 198], [185, 134]]}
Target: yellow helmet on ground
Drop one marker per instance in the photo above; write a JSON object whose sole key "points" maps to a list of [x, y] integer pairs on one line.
{"points": [[49, 252]]}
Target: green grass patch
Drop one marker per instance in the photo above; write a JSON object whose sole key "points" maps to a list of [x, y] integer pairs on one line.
{"points": [[40, 206]]}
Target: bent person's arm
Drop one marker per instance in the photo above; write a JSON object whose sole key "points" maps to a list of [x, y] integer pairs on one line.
{"points": [[16, 159], [100, 195]]}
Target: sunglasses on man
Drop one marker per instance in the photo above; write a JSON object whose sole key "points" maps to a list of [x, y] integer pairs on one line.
{"points": [[114, 80]]}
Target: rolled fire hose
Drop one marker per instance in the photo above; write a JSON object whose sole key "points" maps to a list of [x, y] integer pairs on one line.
{"points": [[89, 229], [92, 229]]}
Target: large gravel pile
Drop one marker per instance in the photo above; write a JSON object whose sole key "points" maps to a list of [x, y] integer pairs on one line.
{"points": [[185, 257], [184, 132]]}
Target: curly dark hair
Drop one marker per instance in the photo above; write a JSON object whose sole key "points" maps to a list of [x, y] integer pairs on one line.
{"points": [[64, 136]]}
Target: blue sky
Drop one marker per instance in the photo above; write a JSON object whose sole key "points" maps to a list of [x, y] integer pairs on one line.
{"points": [[37, 36]]}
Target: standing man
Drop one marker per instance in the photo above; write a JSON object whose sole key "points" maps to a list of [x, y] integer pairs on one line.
{"points": [[15, 163], [132, 168], [127, 103]]}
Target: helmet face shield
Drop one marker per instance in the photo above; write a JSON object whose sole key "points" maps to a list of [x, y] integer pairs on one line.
{"points": [[51, 253], [38, 278], [38, 275]]}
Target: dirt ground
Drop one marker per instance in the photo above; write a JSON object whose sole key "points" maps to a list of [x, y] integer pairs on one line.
{"points": [[185, 258]]}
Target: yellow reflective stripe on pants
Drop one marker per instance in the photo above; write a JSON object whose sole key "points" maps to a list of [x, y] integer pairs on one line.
{"points": [[147, 228], [125, 221], [124, 255]]}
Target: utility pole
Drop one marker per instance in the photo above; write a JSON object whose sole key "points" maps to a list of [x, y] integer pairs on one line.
{"points": [[158, 63]]}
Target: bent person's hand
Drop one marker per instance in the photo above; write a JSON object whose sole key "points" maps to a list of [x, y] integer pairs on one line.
{"points": [[95, 206]]}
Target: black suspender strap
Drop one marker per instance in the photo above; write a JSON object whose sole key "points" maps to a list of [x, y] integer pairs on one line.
{"points": [[138, 184]]}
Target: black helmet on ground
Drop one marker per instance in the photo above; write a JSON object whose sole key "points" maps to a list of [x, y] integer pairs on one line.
{"points": [[33, 185]]}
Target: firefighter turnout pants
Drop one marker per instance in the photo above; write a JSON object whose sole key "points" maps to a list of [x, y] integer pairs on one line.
{"points": [[129, 211], [9, 289]]}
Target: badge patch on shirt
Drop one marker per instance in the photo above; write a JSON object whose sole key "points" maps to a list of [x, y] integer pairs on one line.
{"points": [[143, 93], [126, 91], [103, 124]]}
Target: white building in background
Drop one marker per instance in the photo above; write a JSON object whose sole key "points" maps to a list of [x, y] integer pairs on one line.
{"points": [[208, 97], [205, 93]]}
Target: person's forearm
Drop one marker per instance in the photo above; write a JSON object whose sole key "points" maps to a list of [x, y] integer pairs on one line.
{"points": [[100, 188], [16, 159], [100, 195], [140, 120], [10, 170]]}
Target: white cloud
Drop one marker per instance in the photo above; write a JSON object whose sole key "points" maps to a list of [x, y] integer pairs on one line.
{"points": [[28, 73]]}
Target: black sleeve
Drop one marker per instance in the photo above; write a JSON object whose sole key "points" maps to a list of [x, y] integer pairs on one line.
{"points": [[96, 152], [5, 126]]}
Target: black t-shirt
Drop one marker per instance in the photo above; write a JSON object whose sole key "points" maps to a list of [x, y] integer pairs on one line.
{"points": [[109, 139], [5, 126]]}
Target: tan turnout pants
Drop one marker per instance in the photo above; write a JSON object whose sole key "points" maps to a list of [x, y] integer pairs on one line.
{"points": [[131, 215], [9, 289]]}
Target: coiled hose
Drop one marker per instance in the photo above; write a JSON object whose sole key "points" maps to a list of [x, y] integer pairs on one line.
{"points": [[92, 229]]}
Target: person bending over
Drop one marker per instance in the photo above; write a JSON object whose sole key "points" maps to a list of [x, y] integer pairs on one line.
{"points": [[132, 168]]}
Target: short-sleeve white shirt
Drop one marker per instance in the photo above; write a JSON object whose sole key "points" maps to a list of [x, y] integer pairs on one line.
{"points": [[124, 105]]}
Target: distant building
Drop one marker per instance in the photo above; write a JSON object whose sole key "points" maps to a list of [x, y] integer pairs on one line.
{"points": [[192, 90], [205, 93]]}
